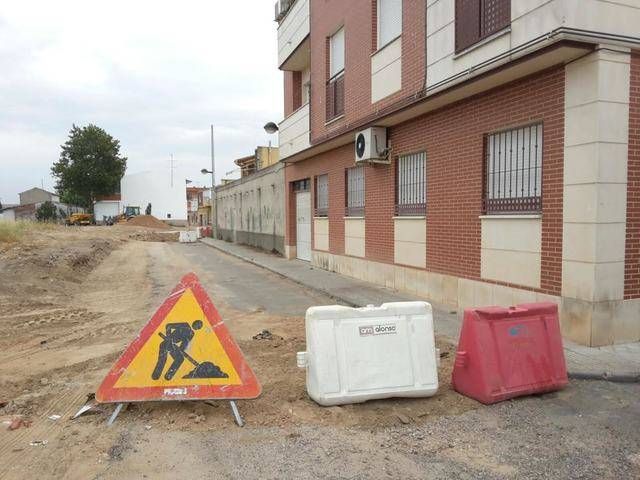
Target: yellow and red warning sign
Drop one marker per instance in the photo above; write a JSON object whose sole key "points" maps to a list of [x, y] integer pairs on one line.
{"points": [[185, 352]]}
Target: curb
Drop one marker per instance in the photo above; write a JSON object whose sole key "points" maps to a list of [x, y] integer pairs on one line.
{"points": [[348, 303], [574, 375], [606, 377]]}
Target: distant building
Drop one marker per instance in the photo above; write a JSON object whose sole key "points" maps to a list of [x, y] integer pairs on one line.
{"points": [[261, 158], [31, 200], [167, 198], [105, 207], [250, 210], [195, 202], [38, 195]]}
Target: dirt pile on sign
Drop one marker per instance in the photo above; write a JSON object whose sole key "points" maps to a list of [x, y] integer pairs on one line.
{"points": [[147, 221]]}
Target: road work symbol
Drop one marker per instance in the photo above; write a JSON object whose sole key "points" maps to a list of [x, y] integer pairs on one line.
{"points": [[185, 352], [175, 342]]}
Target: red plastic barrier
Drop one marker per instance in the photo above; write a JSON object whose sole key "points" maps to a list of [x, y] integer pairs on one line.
{"points": [[509, 352]]}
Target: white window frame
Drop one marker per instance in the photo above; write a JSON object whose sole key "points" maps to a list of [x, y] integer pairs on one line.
{"points": [[395, 33], [333, 71]]}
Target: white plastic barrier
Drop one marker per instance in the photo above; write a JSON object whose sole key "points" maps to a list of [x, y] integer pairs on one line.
{"points": [[188, 236], [359, 354]]}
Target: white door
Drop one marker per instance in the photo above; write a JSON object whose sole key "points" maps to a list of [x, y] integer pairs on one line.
{"points": [[303, 225]]}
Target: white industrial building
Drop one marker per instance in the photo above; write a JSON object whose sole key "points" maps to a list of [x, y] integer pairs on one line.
{"points": [[166, 194]]}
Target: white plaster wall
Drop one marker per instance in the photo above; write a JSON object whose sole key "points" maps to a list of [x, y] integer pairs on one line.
{"points": [[293, 29], [511, 249], [386, 70], [410, 241], [108, 208], [139, 189], [242, 208], [354, 236], [8, 215], [321, 233], [294, 132], [529, 20]]}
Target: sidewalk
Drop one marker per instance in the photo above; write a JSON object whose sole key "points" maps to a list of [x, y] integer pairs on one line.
{"points": [[616, 363]]}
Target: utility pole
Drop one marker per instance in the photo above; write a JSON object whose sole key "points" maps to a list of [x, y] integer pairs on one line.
{"points": [[214, 209], [171, 168]]}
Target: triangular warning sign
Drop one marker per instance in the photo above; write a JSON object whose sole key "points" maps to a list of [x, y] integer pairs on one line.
{"points": [[185, 352]]}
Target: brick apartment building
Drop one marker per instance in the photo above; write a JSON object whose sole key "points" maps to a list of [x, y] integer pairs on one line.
{"points": [[473, 152]]}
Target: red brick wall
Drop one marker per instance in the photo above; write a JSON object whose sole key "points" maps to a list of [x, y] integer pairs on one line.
{"points": [[453, 140], [358, 17], [632, 253], [288, 93], [334, 164]]}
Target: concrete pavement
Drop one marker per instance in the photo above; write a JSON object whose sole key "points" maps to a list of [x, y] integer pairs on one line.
{"points": [[615, 363]]}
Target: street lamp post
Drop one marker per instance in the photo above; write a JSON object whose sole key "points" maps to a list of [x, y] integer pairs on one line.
{"points": [[204, 171]]}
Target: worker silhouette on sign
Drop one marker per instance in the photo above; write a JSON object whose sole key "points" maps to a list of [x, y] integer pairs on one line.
{"points": [[175, 341]]}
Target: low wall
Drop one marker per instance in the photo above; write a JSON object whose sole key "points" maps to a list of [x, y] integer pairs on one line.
{"points": [[250, 211]]}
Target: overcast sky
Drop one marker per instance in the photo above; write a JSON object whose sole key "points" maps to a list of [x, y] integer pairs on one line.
{"points": [[153, 73]]}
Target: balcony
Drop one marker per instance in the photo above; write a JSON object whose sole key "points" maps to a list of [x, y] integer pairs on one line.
{"points": [[466, 38], [293, 32], [294, 132]]}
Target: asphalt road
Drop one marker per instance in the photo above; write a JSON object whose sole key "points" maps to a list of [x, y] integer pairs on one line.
{"points": [[590, 430]]}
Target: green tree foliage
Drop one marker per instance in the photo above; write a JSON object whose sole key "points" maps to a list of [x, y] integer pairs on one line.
{"points": [[46, 212], [90, 165]]}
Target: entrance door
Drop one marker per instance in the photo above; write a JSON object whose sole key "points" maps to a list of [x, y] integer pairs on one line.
{"points": [[303, 225]]}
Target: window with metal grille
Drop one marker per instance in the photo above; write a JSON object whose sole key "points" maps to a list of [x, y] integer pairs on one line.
{"points": [[411, 184], [479, 19], [514, 171], [322, 195], [354, 179]]}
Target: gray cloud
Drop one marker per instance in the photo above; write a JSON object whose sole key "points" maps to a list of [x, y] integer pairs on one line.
{"points": [[154, 74]]}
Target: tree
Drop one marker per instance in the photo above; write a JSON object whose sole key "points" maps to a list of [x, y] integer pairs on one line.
{"points": [[47, 212], [90, 165]]}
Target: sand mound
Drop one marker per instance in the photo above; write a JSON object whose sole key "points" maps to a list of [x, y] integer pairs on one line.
{"points": [[147, 221]]}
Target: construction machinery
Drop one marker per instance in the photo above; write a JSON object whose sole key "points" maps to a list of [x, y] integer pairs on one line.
{"points": [[128, 212], [80, 219]]}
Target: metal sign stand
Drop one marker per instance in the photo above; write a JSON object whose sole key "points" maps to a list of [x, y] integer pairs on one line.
{"points": [[115, 413], [236, 413], [112, 418]]}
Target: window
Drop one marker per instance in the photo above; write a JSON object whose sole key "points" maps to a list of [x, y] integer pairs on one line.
{"points": [[301, 185], [411, 184], [354, 180], [322, 195], [389, 21], [336, 56], [479, 19], [335, 84], [514, 171]]}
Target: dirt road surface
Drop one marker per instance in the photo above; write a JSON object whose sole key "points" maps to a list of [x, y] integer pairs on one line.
{"points": [[72, 299]]}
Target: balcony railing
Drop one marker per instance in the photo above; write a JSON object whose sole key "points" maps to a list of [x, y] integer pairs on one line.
{"points": [[281, 8], [335, 97]]}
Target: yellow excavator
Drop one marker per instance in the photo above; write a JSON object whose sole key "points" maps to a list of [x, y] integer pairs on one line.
{"points": [[80, 219], [129, 212]]}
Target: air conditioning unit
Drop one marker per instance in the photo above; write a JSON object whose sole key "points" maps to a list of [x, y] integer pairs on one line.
{"points": [[371, 146]]}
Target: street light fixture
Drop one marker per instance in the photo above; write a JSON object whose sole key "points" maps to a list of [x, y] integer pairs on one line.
{"points": [[271, 128]]}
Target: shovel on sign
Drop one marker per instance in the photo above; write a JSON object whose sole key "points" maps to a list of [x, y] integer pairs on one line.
{"points": [[202, 370]]}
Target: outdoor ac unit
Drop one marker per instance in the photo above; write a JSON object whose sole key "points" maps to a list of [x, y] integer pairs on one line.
{"points": [[371, 146]]}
